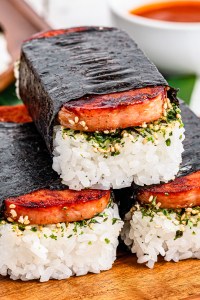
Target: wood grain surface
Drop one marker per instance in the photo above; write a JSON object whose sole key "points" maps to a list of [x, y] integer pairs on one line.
{"points": [[127, 280]]}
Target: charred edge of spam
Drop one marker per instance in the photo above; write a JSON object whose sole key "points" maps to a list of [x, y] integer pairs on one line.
{"points": [[110, 142], [60, 229], [183, 217]]}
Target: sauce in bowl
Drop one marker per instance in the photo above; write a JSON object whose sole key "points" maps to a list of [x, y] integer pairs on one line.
{"points": [[176, 11]]}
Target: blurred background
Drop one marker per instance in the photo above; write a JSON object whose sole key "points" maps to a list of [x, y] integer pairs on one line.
{"points": [[19, 19]]}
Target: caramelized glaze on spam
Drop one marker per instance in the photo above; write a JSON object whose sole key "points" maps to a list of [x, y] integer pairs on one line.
{"points": [[180, 193], [52, 206], [113, 111]]}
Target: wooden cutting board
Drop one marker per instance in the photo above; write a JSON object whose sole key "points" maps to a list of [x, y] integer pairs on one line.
{"points": [[126, 280], [19, 22]]}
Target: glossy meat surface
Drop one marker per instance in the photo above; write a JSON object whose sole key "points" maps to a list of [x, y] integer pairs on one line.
{"points": [[180, 193], [113, 111], [52, 207], [14, 114]]}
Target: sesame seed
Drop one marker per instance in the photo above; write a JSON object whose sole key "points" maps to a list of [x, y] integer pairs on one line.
{"points": [[151, 198], [183, 217], [95, 149], [71, 122], [178, 116], [182, 228], [156, 128], [125, 134], [106, 131], [162, 127], [76, 119], [176, 222], [40, 228], [189, 209], [117, 147], [10, 219], [3, 222], [165, 113], [155, 135], [101, 150], [158, 204], [188, 213], [13, 213], [12, 205], [21, 220], [58, 225], [112, 149], [25, 218], [82, 123], [195, 211], [26, 222], [165, 105], [144, 141], [169, 105], [144, 125]]}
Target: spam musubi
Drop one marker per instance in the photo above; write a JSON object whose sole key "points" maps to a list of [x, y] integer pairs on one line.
{"points": [[107, 115], [46, 230], [165, 219]]}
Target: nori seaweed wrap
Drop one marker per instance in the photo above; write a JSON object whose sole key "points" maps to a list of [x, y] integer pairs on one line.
{"points": [[28, 183], [93, 86], [25, 162]]}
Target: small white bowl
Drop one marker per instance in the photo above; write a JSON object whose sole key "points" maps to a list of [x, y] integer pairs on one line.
{"points": [[174, 47]]}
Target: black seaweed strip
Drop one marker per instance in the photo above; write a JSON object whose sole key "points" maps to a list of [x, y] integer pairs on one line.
{"points": [[69, 66], [191, 155], [25, 163]]}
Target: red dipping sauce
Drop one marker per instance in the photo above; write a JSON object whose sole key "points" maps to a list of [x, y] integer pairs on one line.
{"points": [[172, 11]]}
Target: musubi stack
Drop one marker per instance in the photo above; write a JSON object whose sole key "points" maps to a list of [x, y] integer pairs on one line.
{"points": [[165, 219], [107, 115], [46, 230]]}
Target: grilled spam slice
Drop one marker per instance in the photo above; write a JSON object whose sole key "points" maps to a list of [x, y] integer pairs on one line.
{"points": [[14, 114], [55, 206], [113, 111], [180, 193]]}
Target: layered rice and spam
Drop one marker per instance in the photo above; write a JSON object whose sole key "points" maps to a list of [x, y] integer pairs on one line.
{"points": [[50, 232], [107, 115], [165, 221], [58, 251], [129, 151]]}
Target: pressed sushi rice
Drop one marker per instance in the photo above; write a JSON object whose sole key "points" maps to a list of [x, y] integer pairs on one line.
{"points": [[62, 250], [132, 155], [173, 234]]}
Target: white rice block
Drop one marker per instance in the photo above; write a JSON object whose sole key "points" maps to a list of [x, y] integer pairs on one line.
{"points": [[80, 166], [148, 238], [60, 252]]}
